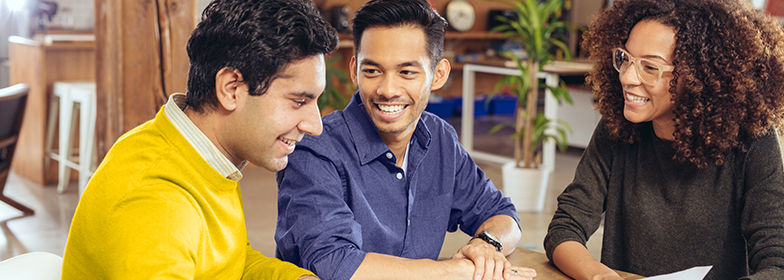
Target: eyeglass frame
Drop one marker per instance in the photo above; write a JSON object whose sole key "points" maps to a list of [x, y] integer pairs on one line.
{"points": [[636, 61]]}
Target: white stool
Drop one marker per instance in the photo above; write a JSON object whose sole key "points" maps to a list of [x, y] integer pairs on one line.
{"points": [[71, 93]]}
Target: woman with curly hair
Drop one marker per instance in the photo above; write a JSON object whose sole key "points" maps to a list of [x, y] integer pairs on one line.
{"points": [[686, 164]]}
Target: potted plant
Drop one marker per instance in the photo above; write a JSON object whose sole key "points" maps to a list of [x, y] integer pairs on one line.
{"points": [[535, 28], [332, 98]]}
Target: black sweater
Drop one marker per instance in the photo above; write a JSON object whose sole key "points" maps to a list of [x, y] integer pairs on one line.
{"points": [[663, 216]]}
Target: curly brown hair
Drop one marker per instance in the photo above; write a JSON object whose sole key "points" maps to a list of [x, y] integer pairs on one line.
{"points": [[729, 57]]}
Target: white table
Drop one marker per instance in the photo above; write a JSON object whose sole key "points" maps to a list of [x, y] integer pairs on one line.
{"points": [[550, 73]]}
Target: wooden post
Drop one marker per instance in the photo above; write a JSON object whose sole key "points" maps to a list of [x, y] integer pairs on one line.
{"points": [[140, 61], [530, 113]]}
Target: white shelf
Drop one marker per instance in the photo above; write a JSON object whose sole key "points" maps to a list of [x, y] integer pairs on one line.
{"points": [[550, 74]]}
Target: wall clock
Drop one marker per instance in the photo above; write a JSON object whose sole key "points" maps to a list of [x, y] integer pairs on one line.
{"points": [[460, 15]]}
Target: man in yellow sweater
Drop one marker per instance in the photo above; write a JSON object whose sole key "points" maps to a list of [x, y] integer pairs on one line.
{"points": [[165, 203]]}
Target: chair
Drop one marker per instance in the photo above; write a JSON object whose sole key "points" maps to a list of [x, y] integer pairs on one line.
{"points": [[13, 100], [32, 266]]}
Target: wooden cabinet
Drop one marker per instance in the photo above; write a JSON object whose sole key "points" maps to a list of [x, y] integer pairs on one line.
{"points": [[40, 65]]}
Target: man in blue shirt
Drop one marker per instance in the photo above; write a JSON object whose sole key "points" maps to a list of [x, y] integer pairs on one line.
{"points": [[374, 195]]}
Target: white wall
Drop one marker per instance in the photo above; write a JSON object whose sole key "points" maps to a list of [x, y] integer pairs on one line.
{"points": [[201, 4], [80, 10], [15, 24], [9, 26]]}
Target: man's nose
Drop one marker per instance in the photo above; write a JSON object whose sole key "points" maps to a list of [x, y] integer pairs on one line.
{"points": [[389, 87], [311, 122]]}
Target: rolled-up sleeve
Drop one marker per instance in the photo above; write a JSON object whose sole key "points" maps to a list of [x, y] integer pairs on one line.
{"points": [[315, 228], [476, 197]]}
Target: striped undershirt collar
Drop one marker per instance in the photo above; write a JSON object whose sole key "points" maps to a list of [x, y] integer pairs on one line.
{"points": [[198, 140]]}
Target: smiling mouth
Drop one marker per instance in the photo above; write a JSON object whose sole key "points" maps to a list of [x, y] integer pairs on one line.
{"points": [[391, 109], [636, 99], [288, 142]]}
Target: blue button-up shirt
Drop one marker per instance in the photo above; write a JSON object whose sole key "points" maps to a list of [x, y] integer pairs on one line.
{"points": [[342, 196]]}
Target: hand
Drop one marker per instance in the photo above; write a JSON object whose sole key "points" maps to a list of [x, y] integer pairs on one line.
{"points": [[489, 263], [610, 275], [523, 273], [308, 277]]}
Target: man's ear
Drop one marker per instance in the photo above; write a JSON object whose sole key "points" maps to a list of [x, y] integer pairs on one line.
{"points": [[352, 67], [228, 84], [441, 75]]}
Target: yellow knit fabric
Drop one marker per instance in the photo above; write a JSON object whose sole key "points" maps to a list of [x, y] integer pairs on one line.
{"points": [[156, 210]]}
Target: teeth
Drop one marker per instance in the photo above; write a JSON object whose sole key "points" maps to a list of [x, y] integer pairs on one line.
{"points": [[636, 99], [287, 141], [391, 109]]}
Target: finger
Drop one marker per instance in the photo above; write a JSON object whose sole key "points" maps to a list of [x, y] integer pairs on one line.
{"points": [[458, 255], [480, 268], [489, 269], [523, 272], [498, 273], [507, 269]]}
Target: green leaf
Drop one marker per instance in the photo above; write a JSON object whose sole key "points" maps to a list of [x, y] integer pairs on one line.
{"points": [[332, 97], [500, 126], [539, 32]]}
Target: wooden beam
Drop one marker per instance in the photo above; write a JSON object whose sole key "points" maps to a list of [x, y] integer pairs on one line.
{"points": [[140, 60]]}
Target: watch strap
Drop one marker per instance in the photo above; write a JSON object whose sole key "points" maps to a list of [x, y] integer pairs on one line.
{"points": [[490, 239]]}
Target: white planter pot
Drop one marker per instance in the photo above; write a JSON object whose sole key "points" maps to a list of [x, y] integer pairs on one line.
{"points": [[526, 187]]}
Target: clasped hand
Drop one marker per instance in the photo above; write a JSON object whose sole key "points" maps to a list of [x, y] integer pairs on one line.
{"points": [[491, 264]]}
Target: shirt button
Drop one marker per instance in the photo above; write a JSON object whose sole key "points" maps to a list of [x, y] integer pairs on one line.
{"points": [[389, 155], [399, 176], [409, 222]]}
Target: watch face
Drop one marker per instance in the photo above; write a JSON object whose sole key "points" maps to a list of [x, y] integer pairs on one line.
{"points": [[461, 15]]}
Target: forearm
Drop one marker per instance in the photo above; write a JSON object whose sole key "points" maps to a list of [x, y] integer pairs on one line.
{"points": [[380, 266], [258, 266], [573, 259], [504, 228]]}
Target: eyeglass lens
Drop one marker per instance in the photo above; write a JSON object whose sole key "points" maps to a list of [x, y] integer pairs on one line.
{"points": [[647, 71]]}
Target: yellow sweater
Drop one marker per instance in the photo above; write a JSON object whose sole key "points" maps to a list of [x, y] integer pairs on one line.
{"points": [[155, 209]]}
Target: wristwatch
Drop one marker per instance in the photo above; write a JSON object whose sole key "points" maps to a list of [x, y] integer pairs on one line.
{"points": [[490, 239]]}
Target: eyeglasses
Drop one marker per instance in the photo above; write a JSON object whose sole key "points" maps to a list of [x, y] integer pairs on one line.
{"points": [[648, 71]]}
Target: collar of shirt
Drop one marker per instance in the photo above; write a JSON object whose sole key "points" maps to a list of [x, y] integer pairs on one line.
{"points": [[174, 112], [365, 132], [405, 158]]}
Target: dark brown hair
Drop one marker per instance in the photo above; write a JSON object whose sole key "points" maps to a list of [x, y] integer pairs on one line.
{"points": [[259, 38], [397, 13]]}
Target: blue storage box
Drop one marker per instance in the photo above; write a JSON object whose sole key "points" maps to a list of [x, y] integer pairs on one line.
{"points": [[444, 109], [503, 105], [458, 103], [479, 106]]}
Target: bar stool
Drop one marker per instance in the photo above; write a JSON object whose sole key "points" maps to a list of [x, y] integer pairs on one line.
{"points": [[71, 94]]}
